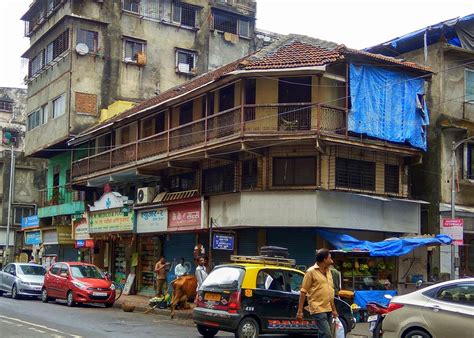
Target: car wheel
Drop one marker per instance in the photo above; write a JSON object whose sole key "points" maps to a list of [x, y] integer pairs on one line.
{"points": [[70, 299], [248, 328], [107, 305], [417, 334], [207, 332], [1, 293], [44, 295], [15, 292]]}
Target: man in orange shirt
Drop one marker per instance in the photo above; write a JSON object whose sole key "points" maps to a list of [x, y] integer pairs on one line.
{"points": [[318, 286], [160, 270]]}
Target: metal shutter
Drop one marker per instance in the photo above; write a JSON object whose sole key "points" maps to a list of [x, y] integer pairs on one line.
{"points": [[247, 242], [180, 245]]}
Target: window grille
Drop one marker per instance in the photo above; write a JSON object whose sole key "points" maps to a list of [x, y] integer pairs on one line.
{"points": [[217, 180], [230, 23], [294, 171], [131, 5], [6, 106], [61, 44], [185, 61], [249, 174], [184, 14], [469, 95], [90, 38], [355, 174], [392, 178], [20, 212], [470, 161], [131, 49]]}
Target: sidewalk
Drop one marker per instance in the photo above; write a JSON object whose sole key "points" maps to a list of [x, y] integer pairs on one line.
{"points": [[141, 305]]}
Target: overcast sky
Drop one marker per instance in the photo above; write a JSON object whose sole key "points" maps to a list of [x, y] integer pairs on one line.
{"points": [[356, 24]]}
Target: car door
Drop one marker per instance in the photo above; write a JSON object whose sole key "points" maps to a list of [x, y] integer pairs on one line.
{"points": [[5, 277], [9, 279], [51, 280], [272, 299], [62, 281], [452, 304]]}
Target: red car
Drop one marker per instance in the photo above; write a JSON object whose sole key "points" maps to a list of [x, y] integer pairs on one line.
{"points": [[77, 283]]}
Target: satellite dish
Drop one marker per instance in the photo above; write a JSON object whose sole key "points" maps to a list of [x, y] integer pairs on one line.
{"points": [[82, 49], [267, 39]]}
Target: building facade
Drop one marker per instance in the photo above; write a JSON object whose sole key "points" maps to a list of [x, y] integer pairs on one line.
{"points": [[448, 50], [265, 150]]}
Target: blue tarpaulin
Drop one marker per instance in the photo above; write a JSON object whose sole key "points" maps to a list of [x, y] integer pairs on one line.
{"points": [[388, 105], [387, 248], [362, 298]]}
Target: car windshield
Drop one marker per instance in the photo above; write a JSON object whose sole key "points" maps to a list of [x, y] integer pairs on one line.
{"points": [[32, 270], [86, 271], [225, 278]]}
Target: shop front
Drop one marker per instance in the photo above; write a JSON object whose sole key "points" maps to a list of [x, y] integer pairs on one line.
{"points": [[57, 245], [152, 224], [24, 250], [82, 239], [111, 226]]}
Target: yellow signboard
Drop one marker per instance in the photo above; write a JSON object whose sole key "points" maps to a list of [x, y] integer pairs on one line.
{"points": [[64, 235], [109, 221]]}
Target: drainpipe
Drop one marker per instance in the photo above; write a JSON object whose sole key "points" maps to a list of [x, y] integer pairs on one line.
{"points": [[6, 253]]}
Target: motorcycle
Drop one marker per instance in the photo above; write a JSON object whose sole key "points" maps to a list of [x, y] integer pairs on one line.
{"points": [[376, 314]]}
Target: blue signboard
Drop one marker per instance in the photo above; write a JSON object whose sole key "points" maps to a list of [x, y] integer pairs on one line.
{"points": [[223, 242], [29, 222], [33, 237]]}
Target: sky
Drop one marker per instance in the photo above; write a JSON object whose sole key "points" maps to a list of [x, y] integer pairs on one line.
{"points": [[357, 24]]}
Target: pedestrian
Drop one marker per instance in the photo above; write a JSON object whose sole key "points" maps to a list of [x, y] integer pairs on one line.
{"points": [[319, 288], [337, 280], [32, 260], [201, 273], [180, 269], [160, 270]]}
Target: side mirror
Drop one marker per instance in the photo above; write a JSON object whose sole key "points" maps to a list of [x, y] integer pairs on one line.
{"points": [[64, 274]]}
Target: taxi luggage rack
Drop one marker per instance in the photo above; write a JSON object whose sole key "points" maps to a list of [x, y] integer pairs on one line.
{"points": [[263, 260]]}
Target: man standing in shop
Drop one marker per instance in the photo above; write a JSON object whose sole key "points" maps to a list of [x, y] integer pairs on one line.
{"points": [[201, 273], [160, 270], [319, 288], [180, 269]]}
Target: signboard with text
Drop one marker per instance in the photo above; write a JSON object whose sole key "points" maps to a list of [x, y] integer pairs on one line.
{"points": [[223, 242], [81, 229], [152, 220], [110, 221], [454, 228], [184, 216], [32, 237], [29, 222], [84, 243]]}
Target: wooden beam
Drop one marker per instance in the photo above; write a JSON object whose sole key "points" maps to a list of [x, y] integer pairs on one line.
{"points": [[247, 149], [148, 172], [173, 164], [320, 146], [227, 157]]}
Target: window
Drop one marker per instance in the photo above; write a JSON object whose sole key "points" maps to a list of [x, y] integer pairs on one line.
{"points": [[125, 135], [56, 269], [160, 123], [37, 63], [20, 212], [220, 179], [90, 38], [49, 53], [52, 5], [59, 106], [458, 293], [52, 51], [470, 161], [184, 14], [355, 174], [226, 98], [38, 117], [271, 280], [61, 44], [185, 61], [249, 174], [295, 280], [392, 178], [230, 23], [469, 84], [131, 48], [6, 105], [250, 98], [186, 113], [147, 127], [131, 5], [182, 182], [296, 171]]}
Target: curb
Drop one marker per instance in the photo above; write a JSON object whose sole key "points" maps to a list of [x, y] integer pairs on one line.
{"points": [[161, 312]]}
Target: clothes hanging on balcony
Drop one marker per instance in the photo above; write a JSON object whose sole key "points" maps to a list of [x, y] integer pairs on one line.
{"points": [[388, 105]]}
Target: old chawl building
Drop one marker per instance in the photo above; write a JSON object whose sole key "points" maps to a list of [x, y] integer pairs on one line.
{"points": [[28, 173], [90, 60], [267, 150], [447, 47]]}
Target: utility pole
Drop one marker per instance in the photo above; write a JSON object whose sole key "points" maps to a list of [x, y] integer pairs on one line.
{"points": [[454, 249], [6, 253]]}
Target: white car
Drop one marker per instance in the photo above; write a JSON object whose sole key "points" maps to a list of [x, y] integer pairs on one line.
{"points": [[439, 311], [22, 279]]}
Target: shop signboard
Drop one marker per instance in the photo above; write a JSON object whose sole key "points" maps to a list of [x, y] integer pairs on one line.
{"points": [[152, 220], [110, 200], [454, 228], [84, 243], [184, 216], [113, 220], [223, 242], [29, 222], [33, 237], [81, 229], [64, 235]]}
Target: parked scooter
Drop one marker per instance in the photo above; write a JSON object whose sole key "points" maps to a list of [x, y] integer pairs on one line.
{"points": [[376, 314]]}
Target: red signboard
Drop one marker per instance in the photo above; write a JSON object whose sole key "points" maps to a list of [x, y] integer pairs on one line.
{"points": [[453, 228], [184, 216]]}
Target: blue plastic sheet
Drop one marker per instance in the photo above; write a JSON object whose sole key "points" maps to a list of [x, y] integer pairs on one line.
{"points": [[361, 298], [388, 248], [388, 105]]}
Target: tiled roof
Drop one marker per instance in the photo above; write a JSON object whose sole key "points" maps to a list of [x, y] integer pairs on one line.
{"points": [[293, 51]]}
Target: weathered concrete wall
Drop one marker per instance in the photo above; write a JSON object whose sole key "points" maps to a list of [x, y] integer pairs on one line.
{"points": [[18, 96]]}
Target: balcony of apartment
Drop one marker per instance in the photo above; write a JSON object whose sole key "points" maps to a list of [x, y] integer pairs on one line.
{"points": [[60, 200], [39, 13]]}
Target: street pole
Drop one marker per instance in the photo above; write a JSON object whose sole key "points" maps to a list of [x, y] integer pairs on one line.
{"points": [[6, 253], [210, 241]]}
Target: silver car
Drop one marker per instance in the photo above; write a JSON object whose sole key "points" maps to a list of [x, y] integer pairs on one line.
{"points": [[22, 279], [442, 310]]}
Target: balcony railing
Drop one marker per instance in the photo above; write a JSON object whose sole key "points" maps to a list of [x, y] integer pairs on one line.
{"points": [[285, 119], [59, 195]]}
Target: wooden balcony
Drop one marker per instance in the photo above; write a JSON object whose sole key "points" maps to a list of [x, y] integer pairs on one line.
{"points": [[289, 120]]}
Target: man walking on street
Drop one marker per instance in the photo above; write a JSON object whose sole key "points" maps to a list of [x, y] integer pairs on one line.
{"points": [[201, 273], [160, 270], [318, 286]]}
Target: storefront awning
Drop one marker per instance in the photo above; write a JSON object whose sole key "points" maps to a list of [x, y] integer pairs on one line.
{"points": [[386, 248]]}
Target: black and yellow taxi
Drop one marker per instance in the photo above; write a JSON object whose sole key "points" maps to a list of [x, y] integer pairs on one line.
{"points": [[256, 295]]}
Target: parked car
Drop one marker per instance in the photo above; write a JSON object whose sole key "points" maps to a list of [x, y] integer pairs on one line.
{"points": [[77, 283], [22, 279], [440, 310], [249, 298]]}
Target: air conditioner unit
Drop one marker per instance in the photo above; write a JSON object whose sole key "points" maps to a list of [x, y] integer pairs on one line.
{"points": [[145, 195]]}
